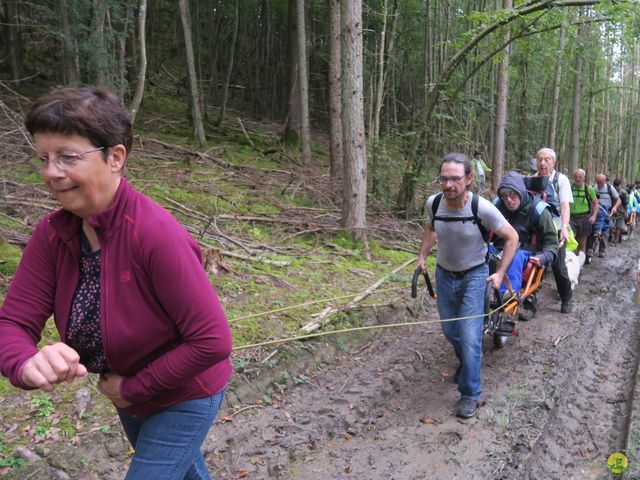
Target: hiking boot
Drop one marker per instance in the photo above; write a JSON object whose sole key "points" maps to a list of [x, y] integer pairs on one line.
{"points": [[587, 259], [526, 315], [601, 253], [566, 307], [466, 408]]}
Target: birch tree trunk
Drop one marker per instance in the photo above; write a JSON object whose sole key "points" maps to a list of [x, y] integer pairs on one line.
{"points": [[191, 67], [335, 107], [142, 68], [303, 81], [556, 88], [355, 163], [502, 97], [232, 54]]}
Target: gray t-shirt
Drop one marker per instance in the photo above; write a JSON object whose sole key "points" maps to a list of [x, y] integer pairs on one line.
{"points": [[460, 244], [604, 198]]}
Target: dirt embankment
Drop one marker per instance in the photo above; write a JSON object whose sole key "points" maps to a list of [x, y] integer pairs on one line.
{"points": [[556, 403]]}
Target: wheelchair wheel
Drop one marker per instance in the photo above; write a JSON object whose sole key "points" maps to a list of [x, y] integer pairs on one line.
{"points": [[495, 324], [491, 301]]}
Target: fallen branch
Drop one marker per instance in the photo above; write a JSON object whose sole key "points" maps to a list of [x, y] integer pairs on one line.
{"points": [[321, 319]]}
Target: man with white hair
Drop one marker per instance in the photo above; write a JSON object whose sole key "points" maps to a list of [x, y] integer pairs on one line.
{"points": [[559, 196]]}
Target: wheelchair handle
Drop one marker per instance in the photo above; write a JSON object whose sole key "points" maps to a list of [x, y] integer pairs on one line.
{"points": [[414, 283]]}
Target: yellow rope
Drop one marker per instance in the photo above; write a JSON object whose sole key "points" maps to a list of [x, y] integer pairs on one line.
{"points": [[311, 302], [370, 327]]}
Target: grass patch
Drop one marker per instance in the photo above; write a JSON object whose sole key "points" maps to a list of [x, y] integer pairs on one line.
{"points": [[9, 257]]}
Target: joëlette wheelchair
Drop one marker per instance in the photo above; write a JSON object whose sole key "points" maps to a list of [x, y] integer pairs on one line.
{"points": [[500, 317]]}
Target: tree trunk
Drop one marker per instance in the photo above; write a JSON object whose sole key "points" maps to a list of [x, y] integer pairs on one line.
{"points": [[502, 97], [374, 128], [556, 88], [303, 81], [232, 54], [335, 108], [70, 72], [292, 122], [191, 67], [574, 154], [99, 53], [355, 162], [142, 68], [122, 58], [13, 38]]}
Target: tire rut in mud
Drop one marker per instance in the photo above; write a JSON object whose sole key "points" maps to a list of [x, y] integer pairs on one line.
{"points": [[593, 405]]}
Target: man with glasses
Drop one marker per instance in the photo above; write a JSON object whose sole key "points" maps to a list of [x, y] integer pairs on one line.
{"points": [[560, 198], [457, 219], [537, 234]]}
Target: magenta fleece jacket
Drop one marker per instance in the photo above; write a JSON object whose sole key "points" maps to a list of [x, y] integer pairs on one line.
{"points": [[162, 325]]}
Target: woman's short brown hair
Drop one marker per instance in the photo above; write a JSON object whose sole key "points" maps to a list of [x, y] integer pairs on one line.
{"points": [[94, 113]]}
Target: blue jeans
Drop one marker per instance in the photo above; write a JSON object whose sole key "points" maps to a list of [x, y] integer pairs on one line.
{"points": [[462, 295], [167, 443]]}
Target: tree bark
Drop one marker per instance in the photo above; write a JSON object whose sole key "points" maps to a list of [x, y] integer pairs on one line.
{"points": [[374, 127], [292, 122], [13, 38], [355, 162], [303, 81], [502, 97], [99, 55], [335, 107], [556, 87], [122, 57], [574, 154], [232, 54], [142, 68], [70, 72], [191, 67]]}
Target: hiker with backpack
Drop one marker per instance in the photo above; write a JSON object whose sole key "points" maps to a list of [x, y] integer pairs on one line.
{"points": [[460, 221], [609, 199], [620, 216], [559, 197], [532, 219], [584, 210]]}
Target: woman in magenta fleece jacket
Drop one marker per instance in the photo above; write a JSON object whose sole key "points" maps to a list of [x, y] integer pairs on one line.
{"points": [[125, 283]]}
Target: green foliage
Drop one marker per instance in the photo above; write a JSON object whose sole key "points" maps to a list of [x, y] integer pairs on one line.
{"points": [[9, 257], [43, 405]]}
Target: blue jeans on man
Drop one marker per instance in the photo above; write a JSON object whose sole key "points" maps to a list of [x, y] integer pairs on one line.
{"points": [[462, 295], [167, 443]]}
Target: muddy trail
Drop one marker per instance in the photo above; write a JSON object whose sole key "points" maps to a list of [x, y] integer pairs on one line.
{"points": [[556, 401]]}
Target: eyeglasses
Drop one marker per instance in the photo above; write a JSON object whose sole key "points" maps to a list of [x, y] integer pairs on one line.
{"points": [[509, 195], [442, 179], [65, 161]]}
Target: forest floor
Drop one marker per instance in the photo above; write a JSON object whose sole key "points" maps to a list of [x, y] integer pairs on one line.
{"points": [[557, 401]]}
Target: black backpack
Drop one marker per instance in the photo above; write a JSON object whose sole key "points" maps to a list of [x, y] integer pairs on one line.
{"points": [[474, 218]]}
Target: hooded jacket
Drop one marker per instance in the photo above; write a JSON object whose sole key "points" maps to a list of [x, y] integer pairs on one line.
{"points": [[161, 322], [546, 237]]}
